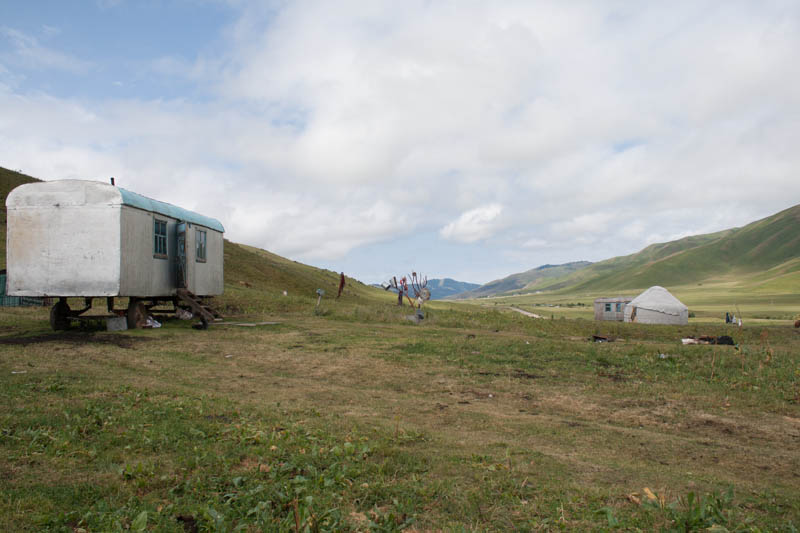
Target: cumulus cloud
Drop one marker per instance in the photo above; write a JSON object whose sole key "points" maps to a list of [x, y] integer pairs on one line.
{"points": [[534, 243], [557, 130], [473, 225]]}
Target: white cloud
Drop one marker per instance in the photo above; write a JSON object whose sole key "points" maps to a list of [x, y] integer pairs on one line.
{"points": [[535, 243], [580, 130], [473, 225], [588, 224], [31, 54]]}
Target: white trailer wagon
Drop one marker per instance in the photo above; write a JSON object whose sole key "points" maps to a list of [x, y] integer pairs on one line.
{"points": [[75, 238]]}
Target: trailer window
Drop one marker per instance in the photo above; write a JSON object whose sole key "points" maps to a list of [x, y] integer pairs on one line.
{"points": [[160, 238], [200, 240], [608, 308]]}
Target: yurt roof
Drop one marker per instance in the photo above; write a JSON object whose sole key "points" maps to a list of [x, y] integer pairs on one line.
{"points": [[659, 299]]}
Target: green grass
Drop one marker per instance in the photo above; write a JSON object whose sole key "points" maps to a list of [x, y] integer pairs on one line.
{"points": [[776, 303], [8, 181], [477, 419], [128, 458]]}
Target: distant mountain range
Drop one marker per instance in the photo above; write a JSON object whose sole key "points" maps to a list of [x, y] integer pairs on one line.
{"points": [[764, 255], [443, 288], [528, 281]]}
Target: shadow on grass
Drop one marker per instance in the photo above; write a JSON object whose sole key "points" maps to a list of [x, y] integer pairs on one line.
{"points": [[75, 338]]}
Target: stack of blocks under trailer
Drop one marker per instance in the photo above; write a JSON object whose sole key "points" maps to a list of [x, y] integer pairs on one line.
{"points": [[89, 239]]}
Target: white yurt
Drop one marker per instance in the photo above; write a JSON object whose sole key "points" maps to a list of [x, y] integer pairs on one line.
{"points": [[656, 306]]}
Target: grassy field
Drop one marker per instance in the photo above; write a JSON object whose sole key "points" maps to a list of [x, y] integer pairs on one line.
{"points": [[353, 418], [8, 181], [776, 305], [349, 417]]}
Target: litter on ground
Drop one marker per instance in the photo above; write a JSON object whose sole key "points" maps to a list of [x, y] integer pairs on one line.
{"points": [[709, 339]]}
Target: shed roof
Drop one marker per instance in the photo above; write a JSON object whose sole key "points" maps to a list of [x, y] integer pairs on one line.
{"points": [[613, 299], [659, 299]]}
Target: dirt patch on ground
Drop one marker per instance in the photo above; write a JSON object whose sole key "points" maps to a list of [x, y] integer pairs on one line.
{"points": [[76, 339]]}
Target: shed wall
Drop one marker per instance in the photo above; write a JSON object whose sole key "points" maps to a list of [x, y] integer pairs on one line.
{"points": [[601, 314], [63, 250], [613, 315]]}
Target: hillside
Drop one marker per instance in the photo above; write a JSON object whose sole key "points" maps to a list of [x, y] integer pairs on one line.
{"points": [[442, 288], [763, 255], [445, 287], [250, 271], [528, 281], [740, 255], [9, 179]]}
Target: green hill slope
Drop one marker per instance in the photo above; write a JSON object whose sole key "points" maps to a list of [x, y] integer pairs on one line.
{"points": [[446, 287], [528, 281], [9, 179], [258, 277], [763, 256], [760, 252]]}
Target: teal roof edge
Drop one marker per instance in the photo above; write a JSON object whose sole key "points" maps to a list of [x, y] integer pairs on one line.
{"points": [[173, 211]]}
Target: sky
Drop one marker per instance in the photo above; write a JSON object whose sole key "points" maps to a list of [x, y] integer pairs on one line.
{"points": [[463, 139]]}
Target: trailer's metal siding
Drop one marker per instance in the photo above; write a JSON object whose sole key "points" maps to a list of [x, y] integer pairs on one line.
{"points": [[205, 278], [63, 249], [83, 238], [143, 274]]}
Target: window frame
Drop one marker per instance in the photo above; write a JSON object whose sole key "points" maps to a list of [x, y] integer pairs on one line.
{"points": [[200, 245], [160, 239], [608, 307]]}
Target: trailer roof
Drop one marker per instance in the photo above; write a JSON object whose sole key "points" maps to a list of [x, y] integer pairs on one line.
{"points": [[148, 204], [85, 192]]}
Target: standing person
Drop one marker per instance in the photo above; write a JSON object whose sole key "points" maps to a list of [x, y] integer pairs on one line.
{"points": [[341, 285], [401, 290]]}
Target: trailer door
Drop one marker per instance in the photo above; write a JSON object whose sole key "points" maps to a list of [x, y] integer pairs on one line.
{"points": [[182, 273]]}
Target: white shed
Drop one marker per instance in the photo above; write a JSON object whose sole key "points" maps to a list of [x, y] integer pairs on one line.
{"points": [[611, 309], [656, 306], [76, 238]]}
